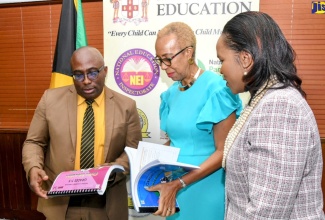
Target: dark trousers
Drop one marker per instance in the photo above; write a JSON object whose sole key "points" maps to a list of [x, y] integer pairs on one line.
{"points": [[88, 207]]}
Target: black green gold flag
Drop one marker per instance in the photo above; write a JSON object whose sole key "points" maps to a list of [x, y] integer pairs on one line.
{"points": [[71, 36]]}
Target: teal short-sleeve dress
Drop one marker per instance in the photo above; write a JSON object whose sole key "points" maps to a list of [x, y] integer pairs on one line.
{"points": [[188, 118]]}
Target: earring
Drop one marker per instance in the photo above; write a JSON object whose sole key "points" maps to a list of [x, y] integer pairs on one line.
{"points": [[190, 61], [245, 73]]}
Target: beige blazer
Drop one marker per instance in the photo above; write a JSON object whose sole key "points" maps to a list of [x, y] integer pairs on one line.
{"points": [[51, 144], [274, 168]]}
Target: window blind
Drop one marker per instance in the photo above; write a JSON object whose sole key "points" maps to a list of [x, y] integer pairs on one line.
{"points": [[28, 38]]}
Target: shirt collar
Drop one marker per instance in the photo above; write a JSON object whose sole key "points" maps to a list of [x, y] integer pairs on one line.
{"points": [[97, 100]]}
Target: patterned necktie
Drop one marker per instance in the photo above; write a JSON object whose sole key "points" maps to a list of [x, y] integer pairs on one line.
{"points": [[87, 138]]}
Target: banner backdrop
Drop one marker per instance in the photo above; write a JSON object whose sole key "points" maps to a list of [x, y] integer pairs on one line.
{"points": [[130, 29]]}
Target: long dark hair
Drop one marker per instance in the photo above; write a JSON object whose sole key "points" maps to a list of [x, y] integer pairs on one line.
{"points": [[258, 34]]}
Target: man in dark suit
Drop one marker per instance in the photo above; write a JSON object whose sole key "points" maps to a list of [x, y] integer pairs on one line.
{"points": [[54, 140]]}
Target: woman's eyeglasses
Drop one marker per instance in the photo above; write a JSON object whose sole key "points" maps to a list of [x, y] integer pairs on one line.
{"points": [[91, 75], [168, 61]]}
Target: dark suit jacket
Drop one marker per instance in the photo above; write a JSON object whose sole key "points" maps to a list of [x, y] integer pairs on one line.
{"points": [[51, 144]]}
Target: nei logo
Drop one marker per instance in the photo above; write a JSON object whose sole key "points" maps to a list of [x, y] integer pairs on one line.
{"points": [[318, 7]]}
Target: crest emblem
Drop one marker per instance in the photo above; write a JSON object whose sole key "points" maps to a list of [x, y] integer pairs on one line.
{"points": [[130, 11]]}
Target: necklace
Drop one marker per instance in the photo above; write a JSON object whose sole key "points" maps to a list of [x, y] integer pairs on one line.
{"points": [[186, 87], [239, 124]]}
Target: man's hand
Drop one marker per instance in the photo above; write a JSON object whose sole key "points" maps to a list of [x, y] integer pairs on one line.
{"points": [[36, 178]]}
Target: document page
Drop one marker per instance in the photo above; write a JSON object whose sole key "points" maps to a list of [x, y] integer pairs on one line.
{"points": [[148, 152]]}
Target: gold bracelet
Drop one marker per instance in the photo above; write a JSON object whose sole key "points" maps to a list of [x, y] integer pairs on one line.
{"points": [[182, 182]]}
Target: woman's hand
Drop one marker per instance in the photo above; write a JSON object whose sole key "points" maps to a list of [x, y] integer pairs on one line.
{"points": [[167, 199]]}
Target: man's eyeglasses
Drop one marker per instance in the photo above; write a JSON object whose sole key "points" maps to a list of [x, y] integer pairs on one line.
{"points": [[168, 61], [91, 75]]}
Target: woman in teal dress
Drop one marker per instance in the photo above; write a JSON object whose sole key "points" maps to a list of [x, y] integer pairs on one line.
{"points": [[196, 113]]}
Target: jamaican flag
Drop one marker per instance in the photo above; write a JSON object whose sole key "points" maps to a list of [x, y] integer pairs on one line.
{"points": [[71, 36]]}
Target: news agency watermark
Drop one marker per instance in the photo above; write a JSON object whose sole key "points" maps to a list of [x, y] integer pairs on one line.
{"points": [[318, 7]]}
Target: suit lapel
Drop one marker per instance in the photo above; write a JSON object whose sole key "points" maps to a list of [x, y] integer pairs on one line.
{"points": [[109, 120], [72, 114]]}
